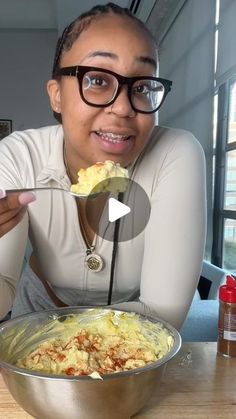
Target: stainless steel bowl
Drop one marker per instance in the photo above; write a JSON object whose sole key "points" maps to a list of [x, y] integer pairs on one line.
{"points": [[117, 396]]}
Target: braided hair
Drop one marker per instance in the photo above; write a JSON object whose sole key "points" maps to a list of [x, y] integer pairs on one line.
{"points": [[72, 32]]}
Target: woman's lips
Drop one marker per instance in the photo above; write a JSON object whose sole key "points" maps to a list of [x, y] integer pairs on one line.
{"points": [[113, 142]]}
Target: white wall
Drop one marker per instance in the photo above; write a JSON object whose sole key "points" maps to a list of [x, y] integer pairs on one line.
{"points": [[74, 8], [26, 58], [186, 53]]}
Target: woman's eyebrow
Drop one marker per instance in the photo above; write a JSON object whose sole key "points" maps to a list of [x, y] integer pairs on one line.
{"points": [[102, 54], [142, 59], [148, 60]]}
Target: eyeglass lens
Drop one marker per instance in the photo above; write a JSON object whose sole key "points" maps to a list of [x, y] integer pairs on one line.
{"points": [[100, 88]]}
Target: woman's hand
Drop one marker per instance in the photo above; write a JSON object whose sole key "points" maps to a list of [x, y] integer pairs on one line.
{"points": [[12, 209]]}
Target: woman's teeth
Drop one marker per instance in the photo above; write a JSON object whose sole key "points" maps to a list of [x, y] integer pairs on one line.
{"points": [[113, 138]]}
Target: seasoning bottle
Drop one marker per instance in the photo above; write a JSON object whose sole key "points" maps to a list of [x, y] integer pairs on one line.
{"points": [[227, 318]]}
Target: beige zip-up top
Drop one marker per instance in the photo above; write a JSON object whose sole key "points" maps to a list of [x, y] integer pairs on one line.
{"points": [[163, 263]]}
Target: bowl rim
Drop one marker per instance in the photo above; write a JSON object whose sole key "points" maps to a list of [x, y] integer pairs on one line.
{"points": [[148, 367]]}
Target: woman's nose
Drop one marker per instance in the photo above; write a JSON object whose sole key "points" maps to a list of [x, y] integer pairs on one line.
{"points": [[122, 106]]}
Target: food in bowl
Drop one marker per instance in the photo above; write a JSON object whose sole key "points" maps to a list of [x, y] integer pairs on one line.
{"points": [[98, 342], [103, 177], [117, 395]]}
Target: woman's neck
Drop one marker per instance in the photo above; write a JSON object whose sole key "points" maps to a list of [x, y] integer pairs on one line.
{"points": [[70, 170]]}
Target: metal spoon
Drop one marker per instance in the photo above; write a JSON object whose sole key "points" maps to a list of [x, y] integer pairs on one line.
{"points": [[48, 188]]}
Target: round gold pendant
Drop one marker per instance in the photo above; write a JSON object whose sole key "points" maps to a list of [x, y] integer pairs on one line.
{"points": [[94, 262]]}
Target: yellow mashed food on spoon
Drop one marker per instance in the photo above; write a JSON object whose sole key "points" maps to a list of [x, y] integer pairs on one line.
{"points": [[99, 341], [101, 177]]}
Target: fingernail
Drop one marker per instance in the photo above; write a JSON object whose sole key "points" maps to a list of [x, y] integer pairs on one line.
{"points": [[26, 198], [2, 193]]}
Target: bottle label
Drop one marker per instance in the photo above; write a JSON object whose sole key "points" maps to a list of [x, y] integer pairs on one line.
{"points": [[228, 335], [230, 321], [229, 327]]}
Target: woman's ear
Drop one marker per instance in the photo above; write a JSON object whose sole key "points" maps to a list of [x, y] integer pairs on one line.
{"points": [[53, 89]]}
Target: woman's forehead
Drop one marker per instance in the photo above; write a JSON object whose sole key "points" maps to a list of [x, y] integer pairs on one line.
{"points": [[114, 36]]}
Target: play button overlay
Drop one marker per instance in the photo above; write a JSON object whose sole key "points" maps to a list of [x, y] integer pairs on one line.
{"points": [[129, 210], [116, 210]]}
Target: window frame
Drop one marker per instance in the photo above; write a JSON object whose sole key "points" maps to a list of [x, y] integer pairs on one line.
{"points": [[222, 147]]}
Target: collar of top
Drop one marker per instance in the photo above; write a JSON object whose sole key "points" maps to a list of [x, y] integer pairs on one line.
{"points": [[54, 169]]}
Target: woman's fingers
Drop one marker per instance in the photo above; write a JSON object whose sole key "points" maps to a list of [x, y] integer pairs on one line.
{"points": [[15, 200], [9, 225], [26, 198], [8, 215], [12, 209], [2, 193]]}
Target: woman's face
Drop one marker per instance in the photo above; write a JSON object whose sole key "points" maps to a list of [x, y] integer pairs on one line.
{"points": [[115, 132]]}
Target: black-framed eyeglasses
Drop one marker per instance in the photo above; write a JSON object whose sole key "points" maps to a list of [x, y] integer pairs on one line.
{"points": [[100, 87]]}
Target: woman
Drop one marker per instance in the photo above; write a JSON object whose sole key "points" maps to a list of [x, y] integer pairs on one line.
{"points": [[156, 272]]}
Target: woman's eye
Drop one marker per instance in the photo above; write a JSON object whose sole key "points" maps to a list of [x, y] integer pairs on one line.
{"points": [[142, 88], [94, 81], [97, 81]]}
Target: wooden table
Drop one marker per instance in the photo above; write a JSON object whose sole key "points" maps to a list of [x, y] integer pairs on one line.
{"points": [[197, 384]]}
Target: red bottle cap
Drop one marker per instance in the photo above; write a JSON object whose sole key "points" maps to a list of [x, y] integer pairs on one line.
{"points": [[227, 292]]}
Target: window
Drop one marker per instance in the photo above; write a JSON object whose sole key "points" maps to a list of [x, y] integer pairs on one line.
{"points": [[224, 138], [224, 219], [232, 114], [229, 248]]}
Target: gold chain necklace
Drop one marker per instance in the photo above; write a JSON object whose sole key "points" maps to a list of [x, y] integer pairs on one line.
{"points": [[93, 261]]}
